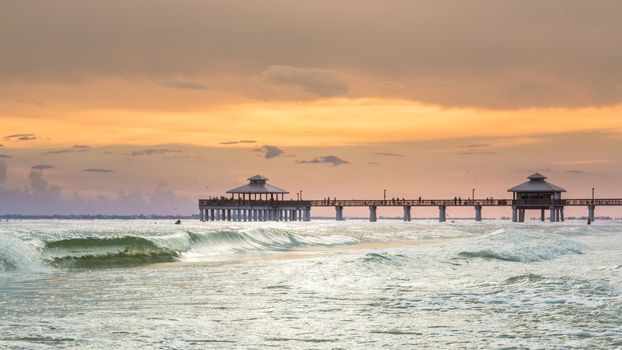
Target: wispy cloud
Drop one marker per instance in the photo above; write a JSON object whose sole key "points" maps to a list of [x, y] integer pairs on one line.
{"points": [[237, 142], [20, 137], [186, 85], [73, 149], [388, 154], [153, 151], [334, 160], [269, 151], [42, 167], [320, 82], [584, 162], [96, 170], [474, 153], [5, 156], [575, 172]]}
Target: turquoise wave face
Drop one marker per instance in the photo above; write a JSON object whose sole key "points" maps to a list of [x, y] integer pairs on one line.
{"points": [[132, 250]]}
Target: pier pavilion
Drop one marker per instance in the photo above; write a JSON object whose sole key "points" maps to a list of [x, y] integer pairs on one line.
{"points": [[255, 201], [537, 194]]}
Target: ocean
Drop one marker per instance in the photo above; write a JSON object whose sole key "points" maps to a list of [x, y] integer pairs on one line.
{"points": [[114, 284]]}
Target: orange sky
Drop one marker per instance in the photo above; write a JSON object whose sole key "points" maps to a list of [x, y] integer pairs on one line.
{"points": [[102, 97]]}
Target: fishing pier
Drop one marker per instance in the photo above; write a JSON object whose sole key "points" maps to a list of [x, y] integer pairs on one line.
{"points": [[260, 201]]}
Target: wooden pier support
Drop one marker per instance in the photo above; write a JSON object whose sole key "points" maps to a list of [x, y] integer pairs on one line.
{"points": [[442, 213]]}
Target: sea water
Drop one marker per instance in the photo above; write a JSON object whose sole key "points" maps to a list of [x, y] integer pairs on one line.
{"points": [[313, 285]]}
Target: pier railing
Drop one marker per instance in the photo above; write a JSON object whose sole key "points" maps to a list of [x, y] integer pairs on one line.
{"points": [[486, 202]]}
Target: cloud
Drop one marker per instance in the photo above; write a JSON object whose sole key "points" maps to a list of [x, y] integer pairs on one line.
{"points": [[495, 54], [153, 151], [476, 145], [474, 153], [269, 151], [320, 82], [40, 186], [575, 172], [584, 162], [42, 167], [3, 171], [237, 142], [20, 137], [96, 170], [334, 160], [1, 145], [186, 85], [388, 154], [74, 149], [5, 156]]}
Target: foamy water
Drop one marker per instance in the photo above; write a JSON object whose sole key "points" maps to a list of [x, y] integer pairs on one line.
{"points": [[318, 285]]}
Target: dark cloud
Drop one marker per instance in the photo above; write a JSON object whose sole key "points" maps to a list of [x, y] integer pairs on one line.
{"points": [[1, 145], [334, 160], [186, 85], [3, 171], [81, 146], [42, 167], [20, 137], [237, 142], [5, 156], [269, 151], [96, 170], [153, 151], [388, 154], [320, 82]]}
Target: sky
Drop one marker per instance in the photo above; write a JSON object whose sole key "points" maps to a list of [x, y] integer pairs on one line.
{"points": [[129, 107]]}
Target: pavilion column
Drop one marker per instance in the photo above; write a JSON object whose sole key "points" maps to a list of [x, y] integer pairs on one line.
{"points": [[442, 213], [407, 216], [552, 214], [201, 214], [521, 215], [590, 212], [561, 213], [228, 214], [514, 214], [542, 216], [308, 214]]}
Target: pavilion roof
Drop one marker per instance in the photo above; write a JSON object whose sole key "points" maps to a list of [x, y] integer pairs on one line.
{"points": [[258, 185], [537, 183]]}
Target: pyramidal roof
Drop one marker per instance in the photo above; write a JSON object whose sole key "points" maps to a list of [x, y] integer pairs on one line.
{"points": [[258, 185], [537, 183]]}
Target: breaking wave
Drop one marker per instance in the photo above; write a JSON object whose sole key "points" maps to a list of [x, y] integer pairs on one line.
{"points": [[131, 250], [521, 246]]}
